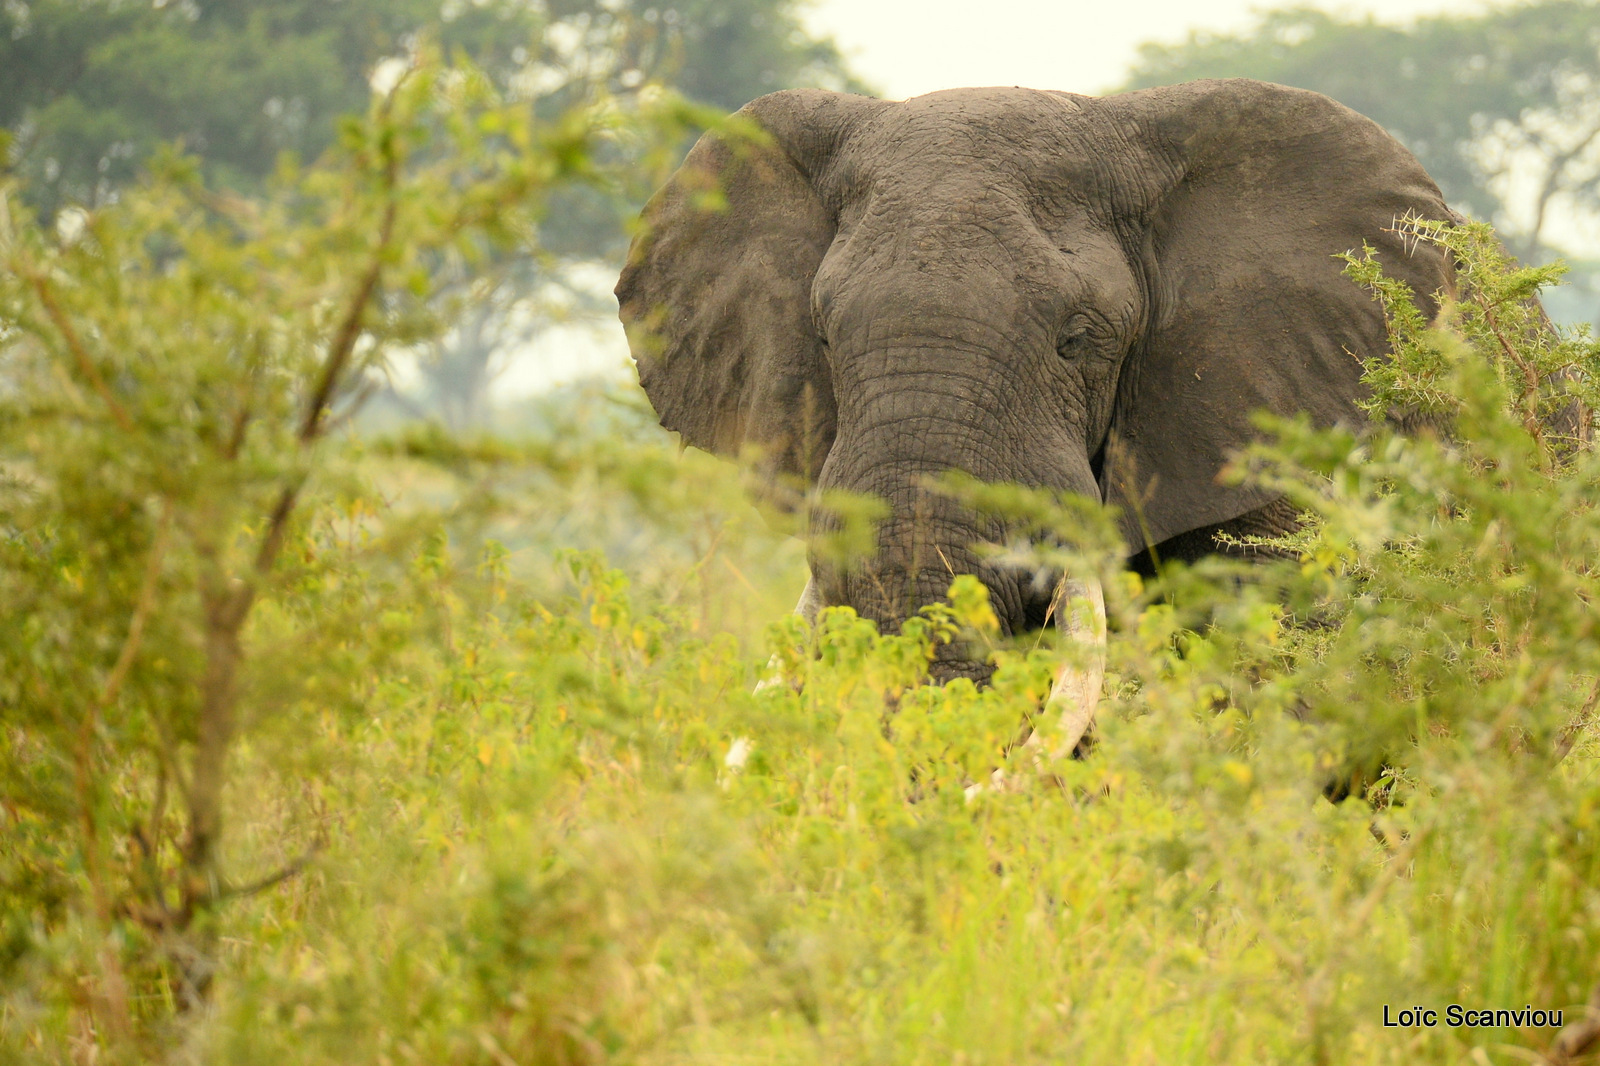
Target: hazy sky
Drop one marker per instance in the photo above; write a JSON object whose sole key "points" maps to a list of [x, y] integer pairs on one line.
{"points": [[907, 47]]}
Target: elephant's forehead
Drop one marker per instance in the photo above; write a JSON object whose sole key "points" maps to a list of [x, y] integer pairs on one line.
{"points": [[1001, 124], [1004, 138]]}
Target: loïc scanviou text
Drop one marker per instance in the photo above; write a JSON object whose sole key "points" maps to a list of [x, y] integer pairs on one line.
{"points": [[1455, 1016]]}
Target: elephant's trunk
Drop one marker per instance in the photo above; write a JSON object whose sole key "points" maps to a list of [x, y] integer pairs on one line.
{"points": [[907, 419], [926, 542], [888, 595]]}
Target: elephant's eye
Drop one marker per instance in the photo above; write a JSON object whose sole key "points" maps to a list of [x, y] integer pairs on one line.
{"points": [[1074, 339]]}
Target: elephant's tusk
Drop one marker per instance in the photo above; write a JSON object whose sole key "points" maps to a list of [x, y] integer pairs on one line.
{"points": [[1081, 615], [810, 603]]}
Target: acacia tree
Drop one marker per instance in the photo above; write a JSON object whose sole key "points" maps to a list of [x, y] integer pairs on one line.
{"points": [[175, 363], [1503, 107]]}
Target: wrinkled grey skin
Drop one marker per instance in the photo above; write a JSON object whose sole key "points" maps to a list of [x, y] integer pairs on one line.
{"points": [[1062, 291]]}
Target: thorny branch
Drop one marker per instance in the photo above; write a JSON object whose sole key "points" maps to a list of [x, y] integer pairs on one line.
{"points": [[312, 424], [227, 603]]}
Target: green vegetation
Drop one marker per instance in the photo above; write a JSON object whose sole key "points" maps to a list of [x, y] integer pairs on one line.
{"points": [[90, 89], [431, 750]]}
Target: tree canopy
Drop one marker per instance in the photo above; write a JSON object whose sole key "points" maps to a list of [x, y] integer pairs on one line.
{"points": [[89, 87]]}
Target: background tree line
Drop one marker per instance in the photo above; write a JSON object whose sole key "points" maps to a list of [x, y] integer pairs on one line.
{"points": [[1502, 108], [88, 90]]}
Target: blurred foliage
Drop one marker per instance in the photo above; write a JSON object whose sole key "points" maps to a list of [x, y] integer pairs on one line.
{"points": [[89, 89], [1501, 106], [169, 507], [495, 784], [548, 818]]}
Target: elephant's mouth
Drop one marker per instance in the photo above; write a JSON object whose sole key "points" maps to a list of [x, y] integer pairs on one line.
{"points": [[1024, 604], [1076, 608], [1025, 601], [1039, 592]]}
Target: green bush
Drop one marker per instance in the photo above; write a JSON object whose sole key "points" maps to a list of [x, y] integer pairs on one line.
{"points": [[490, 800]]}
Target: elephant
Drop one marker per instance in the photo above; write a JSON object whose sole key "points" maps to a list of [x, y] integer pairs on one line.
{"points": [[1081, 294]]}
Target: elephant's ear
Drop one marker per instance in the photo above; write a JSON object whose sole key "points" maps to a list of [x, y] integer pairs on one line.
{"points": [[716, 295], [1250, 310]]}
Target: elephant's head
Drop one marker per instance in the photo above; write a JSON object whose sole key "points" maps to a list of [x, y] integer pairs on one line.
{"points": [[1083, 294]]}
